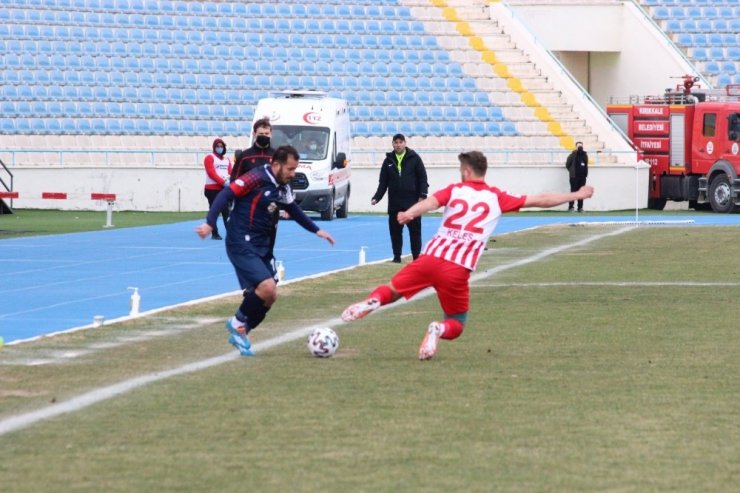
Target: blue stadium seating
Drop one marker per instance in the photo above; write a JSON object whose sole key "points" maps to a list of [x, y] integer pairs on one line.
{"points": [[707, 30], [128, 61]]}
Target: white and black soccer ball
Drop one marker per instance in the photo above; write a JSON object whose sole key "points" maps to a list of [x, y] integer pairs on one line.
{"points": [[323, 342]]}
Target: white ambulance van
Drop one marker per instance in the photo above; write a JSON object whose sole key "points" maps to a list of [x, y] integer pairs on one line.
{"points": [[318, 127]]}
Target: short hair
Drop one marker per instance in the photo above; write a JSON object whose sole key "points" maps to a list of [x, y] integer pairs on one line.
{"points": [[476, 160], [282, 154], [262, 122], [579, 143], [399, 137]]}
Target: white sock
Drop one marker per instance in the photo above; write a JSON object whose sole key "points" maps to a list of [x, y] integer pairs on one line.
{"points": [[439, 328]]}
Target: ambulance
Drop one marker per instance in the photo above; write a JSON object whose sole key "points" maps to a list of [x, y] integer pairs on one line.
{"points": [[318, 127]]}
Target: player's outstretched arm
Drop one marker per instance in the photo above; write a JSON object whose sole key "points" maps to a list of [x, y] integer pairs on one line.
{"points": [[306, 223], [553, 199], [428, 204]]}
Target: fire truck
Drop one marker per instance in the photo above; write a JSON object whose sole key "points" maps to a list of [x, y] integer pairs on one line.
{"points": [[691, 140]]}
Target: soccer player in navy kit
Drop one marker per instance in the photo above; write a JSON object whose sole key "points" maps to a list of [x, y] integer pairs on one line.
{"points": [[256, 195]]}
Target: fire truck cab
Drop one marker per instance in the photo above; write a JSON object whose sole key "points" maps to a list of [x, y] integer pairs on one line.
{"points": [[691, 140]]}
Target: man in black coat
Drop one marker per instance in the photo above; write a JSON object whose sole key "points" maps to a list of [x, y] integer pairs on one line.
{"points": [[577, 164], [259, 154], [404, 177]]}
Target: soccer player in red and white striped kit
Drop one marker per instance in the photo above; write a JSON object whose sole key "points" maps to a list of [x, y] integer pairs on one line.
{"points": [[472, 210]]}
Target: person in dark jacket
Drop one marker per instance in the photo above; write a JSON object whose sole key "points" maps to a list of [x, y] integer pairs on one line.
{"points": [[404, 177], [260, 153], [577, 164], [258, 156]]}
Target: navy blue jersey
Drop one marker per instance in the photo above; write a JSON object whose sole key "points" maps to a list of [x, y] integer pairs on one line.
{"points": [[257, 195]]}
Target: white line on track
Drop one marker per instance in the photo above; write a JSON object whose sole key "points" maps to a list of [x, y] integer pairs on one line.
{"points": [[87, 399]]}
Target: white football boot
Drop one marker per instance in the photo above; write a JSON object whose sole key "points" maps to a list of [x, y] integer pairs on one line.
{"points": [[360, 310], [429, 345]]}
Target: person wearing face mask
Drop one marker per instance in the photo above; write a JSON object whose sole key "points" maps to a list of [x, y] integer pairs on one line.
{"points": [[260, 153], [218, 169], [258, 156], [313, 150], [577, 165]]}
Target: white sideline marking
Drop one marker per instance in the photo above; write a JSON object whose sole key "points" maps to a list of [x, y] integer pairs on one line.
{"points": [[51, 357], [24, 420]]}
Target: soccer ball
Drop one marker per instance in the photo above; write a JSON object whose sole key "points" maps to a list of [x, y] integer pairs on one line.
{"points": [[323, 342]]}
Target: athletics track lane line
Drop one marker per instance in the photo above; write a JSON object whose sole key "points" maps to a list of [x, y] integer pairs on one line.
{"points": [[87, 399]]}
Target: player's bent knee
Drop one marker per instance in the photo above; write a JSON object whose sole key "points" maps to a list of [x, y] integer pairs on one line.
{"points": [[267, 291]]}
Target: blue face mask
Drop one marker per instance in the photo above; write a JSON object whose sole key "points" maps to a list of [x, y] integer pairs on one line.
{"points": [[219, 150]]}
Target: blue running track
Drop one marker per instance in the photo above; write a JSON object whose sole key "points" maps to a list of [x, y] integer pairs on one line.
{"points": [[60, 282]]}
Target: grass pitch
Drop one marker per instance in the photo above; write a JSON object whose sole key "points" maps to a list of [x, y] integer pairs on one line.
{"points": [[611, 366]]}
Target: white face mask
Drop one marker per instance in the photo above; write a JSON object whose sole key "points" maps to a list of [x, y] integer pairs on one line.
{"points": [[312, 147]]}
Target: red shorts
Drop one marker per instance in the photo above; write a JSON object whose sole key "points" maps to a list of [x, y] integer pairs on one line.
{"points": [[448, 279]]}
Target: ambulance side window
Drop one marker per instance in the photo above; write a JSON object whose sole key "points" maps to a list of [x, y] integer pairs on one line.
{"points": [[710, 124]]}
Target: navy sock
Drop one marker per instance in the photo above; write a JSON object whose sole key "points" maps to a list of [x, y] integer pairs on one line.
{"points": [[253, 310]]}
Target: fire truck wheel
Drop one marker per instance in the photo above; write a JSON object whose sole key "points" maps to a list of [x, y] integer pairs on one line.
{"points": [[720, 194], [656, 204]]}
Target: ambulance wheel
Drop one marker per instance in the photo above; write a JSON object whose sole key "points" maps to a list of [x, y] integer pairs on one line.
{"points": [[328, 214], [344, 208], [720, 194]]}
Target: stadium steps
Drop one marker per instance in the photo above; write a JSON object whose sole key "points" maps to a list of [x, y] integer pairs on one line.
{"points": [[525, 86]]}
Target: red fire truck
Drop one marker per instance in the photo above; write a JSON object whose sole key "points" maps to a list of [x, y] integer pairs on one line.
{"points": [[691, 139]]}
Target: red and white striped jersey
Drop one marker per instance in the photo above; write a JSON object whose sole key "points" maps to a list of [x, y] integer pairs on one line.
{"points": [[472, 210]]}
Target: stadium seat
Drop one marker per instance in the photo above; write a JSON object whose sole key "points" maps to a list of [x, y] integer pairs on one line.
{"points": [[711, 68], [699, 54], [716, 53], [377, 113], [492, 128], [434, 128], [508, 129], [360, 129], [436, 113]]}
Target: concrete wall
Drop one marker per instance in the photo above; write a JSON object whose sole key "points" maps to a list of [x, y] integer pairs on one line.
{"points": [[629, 55], [523, 26], [181, 189], [578, 63]]}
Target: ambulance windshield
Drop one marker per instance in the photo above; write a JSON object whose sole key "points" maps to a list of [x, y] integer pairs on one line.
{"points": [[310, 142]]}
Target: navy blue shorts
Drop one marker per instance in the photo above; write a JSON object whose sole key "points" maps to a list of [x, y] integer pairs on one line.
{"points": [[252, 269]]}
